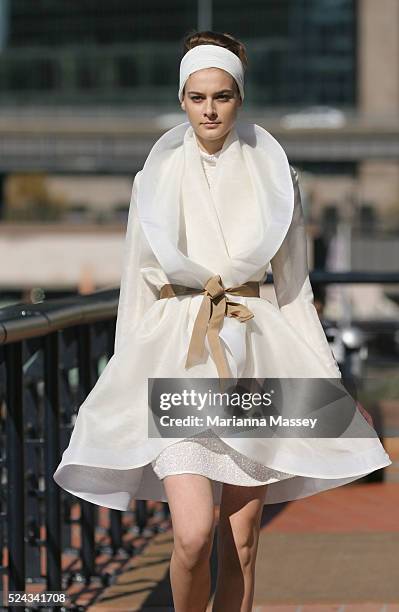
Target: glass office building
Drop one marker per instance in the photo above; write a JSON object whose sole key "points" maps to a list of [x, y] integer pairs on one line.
{"points": [[301, 52]]}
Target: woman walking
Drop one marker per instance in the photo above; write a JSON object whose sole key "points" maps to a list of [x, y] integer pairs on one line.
{"points": [[215, 203]]}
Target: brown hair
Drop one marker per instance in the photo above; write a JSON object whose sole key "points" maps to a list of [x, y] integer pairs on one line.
{"points": [[193, 39]]}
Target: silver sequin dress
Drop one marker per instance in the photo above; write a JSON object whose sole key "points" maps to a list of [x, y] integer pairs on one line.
{"points": [[209, 455]]}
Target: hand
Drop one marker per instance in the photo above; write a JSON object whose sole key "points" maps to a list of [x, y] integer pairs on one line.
{"points": [[364, 412]]}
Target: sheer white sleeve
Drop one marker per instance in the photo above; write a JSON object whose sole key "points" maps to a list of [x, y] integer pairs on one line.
{"points": [[293, 289], [136, 294]]}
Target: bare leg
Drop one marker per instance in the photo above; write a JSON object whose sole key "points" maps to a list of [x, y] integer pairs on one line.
{"points": [[190, 500], [238, 535]]}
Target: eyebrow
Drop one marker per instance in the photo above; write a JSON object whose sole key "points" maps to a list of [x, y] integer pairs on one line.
{"points": [[216, 93]]}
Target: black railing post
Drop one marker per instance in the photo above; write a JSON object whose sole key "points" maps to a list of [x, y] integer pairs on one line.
{"points": [[87, 510], [51, 460], [115, 529], [15, 469]]}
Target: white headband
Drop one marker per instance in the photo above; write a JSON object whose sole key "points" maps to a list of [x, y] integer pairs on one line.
{"points": [[211, 56]]}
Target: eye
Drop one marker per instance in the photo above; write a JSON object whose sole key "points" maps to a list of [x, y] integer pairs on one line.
{"points": [[220, 97]]}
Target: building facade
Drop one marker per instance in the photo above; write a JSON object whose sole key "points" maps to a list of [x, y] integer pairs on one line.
{"points": [[82, 66]]}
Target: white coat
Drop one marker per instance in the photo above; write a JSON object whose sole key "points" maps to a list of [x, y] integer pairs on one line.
{"points": [[178, 232]]}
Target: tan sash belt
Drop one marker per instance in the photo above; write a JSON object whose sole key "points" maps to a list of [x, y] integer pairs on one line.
{"points": [[209, 321]]}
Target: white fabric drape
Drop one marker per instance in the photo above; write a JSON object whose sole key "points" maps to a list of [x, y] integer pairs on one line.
{"points": [[293, 289], [178, 232]]}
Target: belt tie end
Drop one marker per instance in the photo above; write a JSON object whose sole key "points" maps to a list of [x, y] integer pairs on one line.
{"points": [[209, 320]]}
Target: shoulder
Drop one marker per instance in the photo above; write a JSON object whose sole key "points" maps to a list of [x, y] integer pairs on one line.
{"points": [[136, 180]]}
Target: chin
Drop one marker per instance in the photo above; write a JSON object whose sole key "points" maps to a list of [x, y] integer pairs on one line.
{"points": [[213, 136]]}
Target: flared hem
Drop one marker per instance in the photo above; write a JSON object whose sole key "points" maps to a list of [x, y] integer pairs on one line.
{"points": [[116, 486]]}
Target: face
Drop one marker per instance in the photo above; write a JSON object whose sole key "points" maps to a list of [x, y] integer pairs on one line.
{"points": [[211, 101]]}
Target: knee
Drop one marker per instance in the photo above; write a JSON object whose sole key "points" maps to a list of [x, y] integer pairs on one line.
{"points": [[246, 555], [193, 548]]}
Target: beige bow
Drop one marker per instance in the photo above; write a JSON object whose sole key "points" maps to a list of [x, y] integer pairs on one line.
{"points": [[209, 321]]}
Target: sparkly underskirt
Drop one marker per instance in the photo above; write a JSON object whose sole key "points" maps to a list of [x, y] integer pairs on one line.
{"points": [[213, 458]]}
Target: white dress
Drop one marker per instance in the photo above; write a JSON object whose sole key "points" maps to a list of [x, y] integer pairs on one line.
{"points": [[179, 231], [209, 455]]}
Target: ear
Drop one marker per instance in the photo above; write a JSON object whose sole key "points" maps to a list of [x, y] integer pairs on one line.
{"points": [[183, 105]]}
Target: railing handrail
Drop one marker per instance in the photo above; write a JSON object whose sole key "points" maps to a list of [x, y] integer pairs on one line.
{"points": [[28, 320]]}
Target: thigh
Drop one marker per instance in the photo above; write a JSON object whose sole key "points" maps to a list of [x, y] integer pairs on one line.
{"points": [[191, 504]]}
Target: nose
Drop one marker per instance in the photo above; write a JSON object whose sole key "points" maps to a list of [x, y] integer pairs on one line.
{"points": [[210, 110]]}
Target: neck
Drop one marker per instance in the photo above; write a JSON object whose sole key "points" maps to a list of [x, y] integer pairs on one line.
{"points": [[211, 146]]}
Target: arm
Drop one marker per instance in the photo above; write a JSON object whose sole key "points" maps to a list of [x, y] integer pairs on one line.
{"points": [[136, 295], [293, 289]]}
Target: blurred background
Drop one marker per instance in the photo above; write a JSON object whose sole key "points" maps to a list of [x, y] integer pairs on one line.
{"points": [[86, 88]]}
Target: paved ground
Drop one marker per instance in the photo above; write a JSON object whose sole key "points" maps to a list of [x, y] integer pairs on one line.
{"points": [[337, 550]]}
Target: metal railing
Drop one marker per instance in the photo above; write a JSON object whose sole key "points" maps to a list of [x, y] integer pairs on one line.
{"points": [[51, 354]]}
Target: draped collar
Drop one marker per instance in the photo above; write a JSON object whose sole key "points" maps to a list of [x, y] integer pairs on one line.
{"points": [[253, 200]]}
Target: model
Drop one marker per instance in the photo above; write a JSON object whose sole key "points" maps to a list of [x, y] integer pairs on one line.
{"points": [[215, 203]]}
